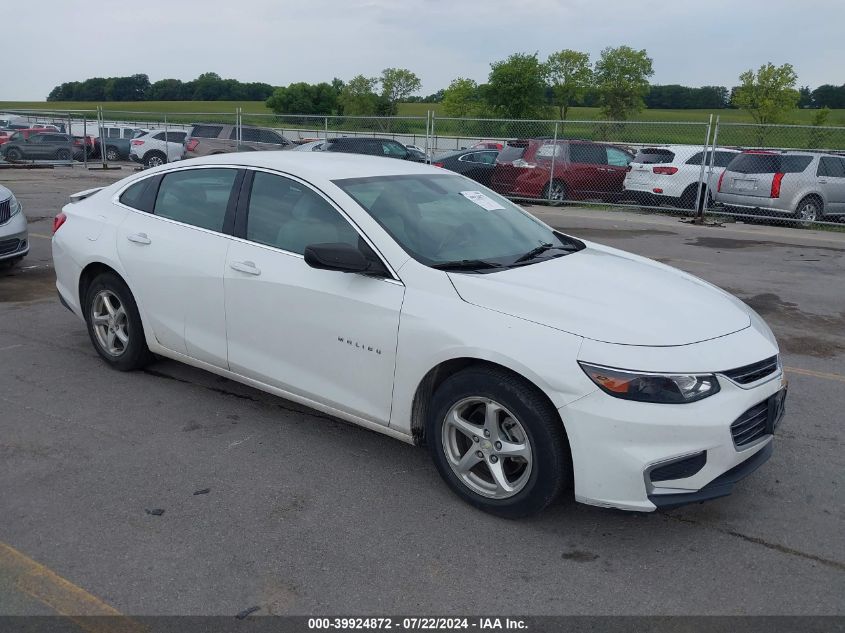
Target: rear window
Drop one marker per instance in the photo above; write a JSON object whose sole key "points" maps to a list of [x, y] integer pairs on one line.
{"points": [[654, 156], [511, 153], [206, 131], [769, 164]]}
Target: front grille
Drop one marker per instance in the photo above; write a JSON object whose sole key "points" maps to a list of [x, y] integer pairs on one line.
{"points": [[751, 425], [686, 467], [751, 373], [5, 211], [9, 246]]}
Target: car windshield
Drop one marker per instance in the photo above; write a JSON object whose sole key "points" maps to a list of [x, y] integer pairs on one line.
{"points": [[446, 221]]}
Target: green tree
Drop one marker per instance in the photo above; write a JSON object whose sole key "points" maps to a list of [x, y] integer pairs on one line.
{"points": [[358, 96], [621, 77], [516, 87], [769, 94], [570, 76], [303, 98], [818, 134], [461, 97], [398, 84]]}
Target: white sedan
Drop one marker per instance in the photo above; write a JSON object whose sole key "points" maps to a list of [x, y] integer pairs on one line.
{"points": [[415, 303]]}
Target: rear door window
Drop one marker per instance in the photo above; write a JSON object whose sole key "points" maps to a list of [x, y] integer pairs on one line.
{"points": [[198, 197], [547, 150], [206, 131], [394, 149], [269, 136], [832, 167], [587, 153]]}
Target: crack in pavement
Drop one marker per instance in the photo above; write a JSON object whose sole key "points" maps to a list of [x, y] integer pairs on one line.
{"points": [[783, 549]]}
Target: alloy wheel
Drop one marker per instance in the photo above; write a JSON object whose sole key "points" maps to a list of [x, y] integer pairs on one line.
{"points": [[487, 447], [110, 323], [808, 211]]}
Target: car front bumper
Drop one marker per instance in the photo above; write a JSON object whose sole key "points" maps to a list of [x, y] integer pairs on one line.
{"points": [[618, 444], [14, 238]]}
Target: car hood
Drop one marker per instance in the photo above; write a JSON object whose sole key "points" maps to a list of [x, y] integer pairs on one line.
{"points": [[611, 296]]}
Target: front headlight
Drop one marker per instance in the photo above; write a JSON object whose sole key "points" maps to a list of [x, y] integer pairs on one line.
{"points": [[651, 387], [16, 205]]}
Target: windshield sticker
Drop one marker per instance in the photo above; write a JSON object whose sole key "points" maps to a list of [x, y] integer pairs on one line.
{"points": [[485, 202]]}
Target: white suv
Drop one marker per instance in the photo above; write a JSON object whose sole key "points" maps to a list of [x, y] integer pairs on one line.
{"points": [[669, 174], [157, 147]]}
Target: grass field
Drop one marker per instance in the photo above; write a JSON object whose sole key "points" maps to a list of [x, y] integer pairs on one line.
{"points": [[799, 117], [649, 126]]}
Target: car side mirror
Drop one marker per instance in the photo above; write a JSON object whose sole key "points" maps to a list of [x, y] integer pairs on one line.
{"points": [[340, 257]]}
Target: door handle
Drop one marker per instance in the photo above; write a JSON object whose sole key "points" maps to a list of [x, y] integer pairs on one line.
{"points": [[823, 181], [245, 267], [139, 238]]}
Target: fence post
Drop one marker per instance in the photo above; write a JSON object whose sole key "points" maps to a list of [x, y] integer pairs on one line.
{"points": [[102, 126], [696, 203], [433, 137], [326, 127], [427, 128], [552, 170], [166, 140], [700, 219], [85, 140]]}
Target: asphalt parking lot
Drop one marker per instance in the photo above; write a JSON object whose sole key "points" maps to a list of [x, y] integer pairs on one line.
{"points": [[306, 514]]}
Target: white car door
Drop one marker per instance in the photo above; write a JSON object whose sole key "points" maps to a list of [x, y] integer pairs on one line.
{"points": [[174, 257], [323, 335]]}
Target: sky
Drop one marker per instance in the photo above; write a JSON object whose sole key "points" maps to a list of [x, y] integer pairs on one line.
{"points": [[279, 42]]}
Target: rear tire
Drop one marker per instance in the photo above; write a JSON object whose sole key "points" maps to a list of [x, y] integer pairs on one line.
{"points": [[154, 159], [14, 155], [63, 154], [809, 210], [498, 442], [114, 324], [688, 199]]}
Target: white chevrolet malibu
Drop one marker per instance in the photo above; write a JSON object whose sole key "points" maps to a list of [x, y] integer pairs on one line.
{"points": [[416, 303]]}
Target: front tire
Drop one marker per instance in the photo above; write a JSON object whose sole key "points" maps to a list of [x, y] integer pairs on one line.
{"points": [[63, 154], [114, 324], [14, 155], [498, 442], [112, 154], [555, 191]]}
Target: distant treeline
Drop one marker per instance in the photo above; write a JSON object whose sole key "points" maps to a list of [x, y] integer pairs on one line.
{"points": [[211, 87], [206, 87]]}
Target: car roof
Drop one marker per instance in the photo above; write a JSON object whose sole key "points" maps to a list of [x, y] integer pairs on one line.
{"points": [[313, 166]]}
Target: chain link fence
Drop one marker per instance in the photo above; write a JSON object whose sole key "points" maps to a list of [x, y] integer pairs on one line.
{"points": [[783, 173]]}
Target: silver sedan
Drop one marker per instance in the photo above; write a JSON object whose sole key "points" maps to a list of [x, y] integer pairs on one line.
{"points": [[14, 237]]}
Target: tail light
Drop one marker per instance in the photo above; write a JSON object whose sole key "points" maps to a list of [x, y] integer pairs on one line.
{"points": [[524, 164], [136, 142], [437, 164], [719, 186], [191, 145], [775, 193], [665, 171], [58, 221]]}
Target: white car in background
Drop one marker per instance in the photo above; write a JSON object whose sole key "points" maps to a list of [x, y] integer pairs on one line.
{"points": [[414, 302], [157, 147], [669, 174], [14, 235]]}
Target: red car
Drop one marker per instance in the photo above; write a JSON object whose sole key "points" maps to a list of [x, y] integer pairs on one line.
{"points": [[498, 145], [4, 135], [582, 170]]}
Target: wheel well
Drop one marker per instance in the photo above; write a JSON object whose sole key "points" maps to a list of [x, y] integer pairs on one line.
{"points": [[437, 375], [89, 273], [814, 196]]}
